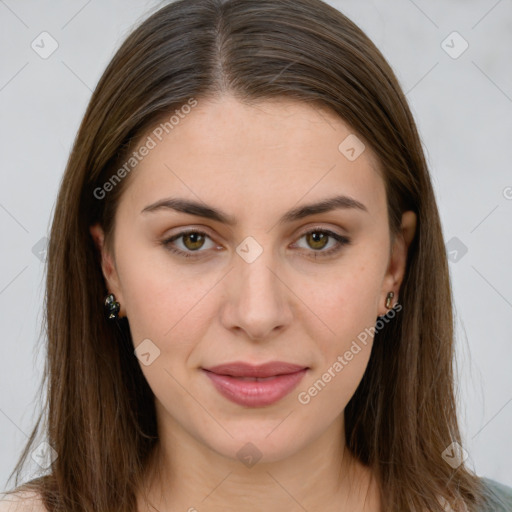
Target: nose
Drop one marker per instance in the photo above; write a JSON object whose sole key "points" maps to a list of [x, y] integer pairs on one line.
{"points": [[257, 298]]}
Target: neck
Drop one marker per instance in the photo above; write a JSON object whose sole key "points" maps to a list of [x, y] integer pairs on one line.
{"points": [[184, 474]]}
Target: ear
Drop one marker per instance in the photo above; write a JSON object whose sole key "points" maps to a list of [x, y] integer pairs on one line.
{"points": [[398, 260], [108, 265]]}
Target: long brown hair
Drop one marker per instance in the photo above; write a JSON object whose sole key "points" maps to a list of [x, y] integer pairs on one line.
{"points": [[99, 413]]}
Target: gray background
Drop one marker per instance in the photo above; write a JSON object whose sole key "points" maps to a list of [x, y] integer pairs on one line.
{"points": [[463, 107]]}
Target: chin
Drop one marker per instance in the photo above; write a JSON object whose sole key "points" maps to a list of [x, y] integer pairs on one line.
{"points": [[259, 440]]}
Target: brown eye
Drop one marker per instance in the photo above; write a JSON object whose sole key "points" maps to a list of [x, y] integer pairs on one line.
{"points": [[193, 241], [317, 240], [189, 244]]}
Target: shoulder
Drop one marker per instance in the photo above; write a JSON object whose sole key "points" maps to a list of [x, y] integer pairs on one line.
{"points": [[499, 494], [21, 501]]}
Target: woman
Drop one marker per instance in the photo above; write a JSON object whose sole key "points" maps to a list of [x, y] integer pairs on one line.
{"points": [[248, 300]]}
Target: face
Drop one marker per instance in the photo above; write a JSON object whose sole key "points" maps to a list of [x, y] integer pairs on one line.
{"points": [[263, 287]]}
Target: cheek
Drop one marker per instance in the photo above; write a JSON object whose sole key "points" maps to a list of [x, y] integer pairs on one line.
{"points": [[167, 308], [343, 304], [346, 304], [162, 303], [347, 311]]}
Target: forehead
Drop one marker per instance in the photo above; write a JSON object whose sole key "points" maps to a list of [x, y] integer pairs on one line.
{"points": [[274, 151]]}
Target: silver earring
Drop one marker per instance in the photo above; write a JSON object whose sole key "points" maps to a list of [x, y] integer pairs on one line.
{"points": [[112, 307]]}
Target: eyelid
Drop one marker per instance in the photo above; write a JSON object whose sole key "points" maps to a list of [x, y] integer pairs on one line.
{"points": [[201, 230], [319, 227]]}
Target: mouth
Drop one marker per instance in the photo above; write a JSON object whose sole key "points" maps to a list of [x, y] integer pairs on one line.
{"points": [[255, 386]]}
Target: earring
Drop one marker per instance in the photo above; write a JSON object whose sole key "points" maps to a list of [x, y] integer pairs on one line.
{"points": [[388, 299], [112, 307]]}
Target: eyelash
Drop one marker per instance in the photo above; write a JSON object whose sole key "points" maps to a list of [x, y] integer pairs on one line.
{"points": [[340, 239]]}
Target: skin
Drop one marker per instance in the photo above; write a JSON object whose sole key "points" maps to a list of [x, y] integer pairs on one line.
{"points": [[254, 163]]}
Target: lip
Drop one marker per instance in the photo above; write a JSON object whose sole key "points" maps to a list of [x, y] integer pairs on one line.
{"points": [[240, 382]]}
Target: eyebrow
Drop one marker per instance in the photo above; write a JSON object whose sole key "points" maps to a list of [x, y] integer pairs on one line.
{"points": [[203, 210]]}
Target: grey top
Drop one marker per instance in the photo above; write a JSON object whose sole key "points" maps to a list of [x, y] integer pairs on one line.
{"points": [[500, 494]]}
